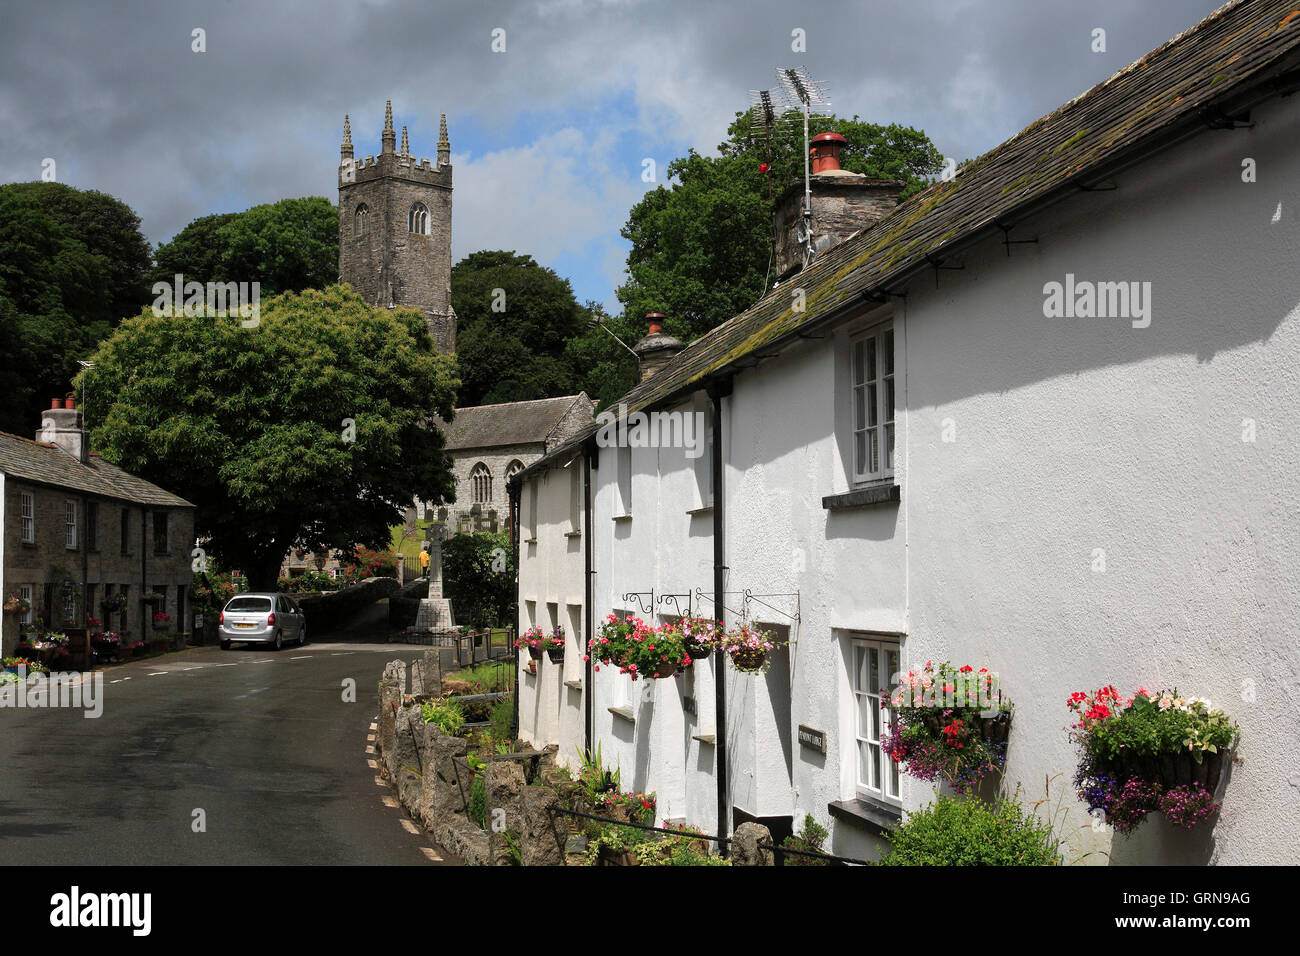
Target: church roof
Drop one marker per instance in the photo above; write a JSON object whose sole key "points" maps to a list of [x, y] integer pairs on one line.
{"points": [[1243, 53], [513, 423], [48, 464]]}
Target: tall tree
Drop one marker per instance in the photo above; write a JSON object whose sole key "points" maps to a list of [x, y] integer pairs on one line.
{"points": [[287, 246], [69, 260], [701, 248], [515, 320], [305, 431]]}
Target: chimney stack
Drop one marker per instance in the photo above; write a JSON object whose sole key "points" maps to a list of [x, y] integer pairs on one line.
{"points": [[842, 203], [656, 349], [61, 424]]}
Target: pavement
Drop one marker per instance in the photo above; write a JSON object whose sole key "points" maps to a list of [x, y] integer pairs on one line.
{"points": [[263, 743]]}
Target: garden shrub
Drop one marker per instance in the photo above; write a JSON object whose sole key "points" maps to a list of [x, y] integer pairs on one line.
{"points": [[478, 802], [808, 839], [477, 591], [970, 832]]}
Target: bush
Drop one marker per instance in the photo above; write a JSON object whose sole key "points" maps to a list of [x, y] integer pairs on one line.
{"points": [[478, 801], [444, 713], [479, 592], [810, 840], [956, 832]]}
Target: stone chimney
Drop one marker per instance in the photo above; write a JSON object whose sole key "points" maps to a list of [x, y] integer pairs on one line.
{"points": [[61, 425], [842, 204], [656, 349]]}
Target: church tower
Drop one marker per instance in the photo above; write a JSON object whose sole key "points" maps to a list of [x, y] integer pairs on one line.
{"points": [[395, 228]]}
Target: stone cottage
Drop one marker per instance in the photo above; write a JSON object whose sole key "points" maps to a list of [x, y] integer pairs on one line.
{"points": [[78, 530]]}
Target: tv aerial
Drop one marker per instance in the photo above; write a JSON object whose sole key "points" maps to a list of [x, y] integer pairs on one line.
{"points": [[804, 94]]}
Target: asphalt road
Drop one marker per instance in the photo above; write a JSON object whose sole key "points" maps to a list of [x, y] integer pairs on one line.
{"points": [[262, 742]]}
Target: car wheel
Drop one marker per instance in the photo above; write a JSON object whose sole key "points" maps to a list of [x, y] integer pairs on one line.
{"points": [[278, 642], [225, 645], [302, 635]]}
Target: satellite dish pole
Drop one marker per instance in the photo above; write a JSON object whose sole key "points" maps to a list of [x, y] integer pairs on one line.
{"points": [[804, 94]]}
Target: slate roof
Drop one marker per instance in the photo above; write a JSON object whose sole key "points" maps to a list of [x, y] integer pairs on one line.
{"points": [[514, 423], [47, 464], [1243, 53]]}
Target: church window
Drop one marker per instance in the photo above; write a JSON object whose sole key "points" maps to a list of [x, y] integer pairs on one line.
{"points": [[417, 220], [481, 481], [514, 468], [360, 226]]}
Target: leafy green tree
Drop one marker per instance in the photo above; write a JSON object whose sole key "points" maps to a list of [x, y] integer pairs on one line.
{"points": [[701, 248], [478, 573], [287, 246], [511, 343], [69, 261], [605, 369], [305, 431]]}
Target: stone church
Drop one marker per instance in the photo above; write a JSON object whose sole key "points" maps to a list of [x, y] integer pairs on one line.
{"points": [[395, 249]]}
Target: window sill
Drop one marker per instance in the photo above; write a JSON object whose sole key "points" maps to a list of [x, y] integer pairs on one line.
{"points": [[573, 534], [879, 493], [709, 739], [624, 712], [573, 684], [626, 517], [530, 540], [870, 815]]}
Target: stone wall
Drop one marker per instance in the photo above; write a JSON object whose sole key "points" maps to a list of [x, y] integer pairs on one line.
{"points": [[432, 778]]}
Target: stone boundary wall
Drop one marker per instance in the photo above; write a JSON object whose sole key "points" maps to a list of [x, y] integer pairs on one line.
{"points": [[329, 610], [432, 778]]}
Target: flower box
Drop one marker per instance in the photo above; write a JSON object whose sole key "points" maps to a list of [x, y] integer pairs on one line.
{"points": [[948, 724], [556, 654], [1152, 752]]}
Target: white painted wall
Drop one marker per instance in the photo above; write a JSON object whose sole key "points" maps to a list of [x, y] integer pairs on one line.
{"points": [[551, 592], [1071, 435]]}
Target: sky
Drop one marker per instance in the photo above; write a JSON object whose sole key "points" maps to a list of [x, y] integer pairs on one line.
{"points": [[552, 106]]}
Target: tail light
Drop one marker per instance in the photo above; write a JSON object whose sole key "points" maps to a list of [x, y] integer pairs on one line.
{"points": [[270, 619], [221, 618]]}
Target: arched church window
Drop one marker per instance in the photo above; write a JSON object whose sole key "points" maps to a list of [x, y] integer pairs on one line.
{"points": [[514, 468], [360, 226], [481, 481], [417, 220]]}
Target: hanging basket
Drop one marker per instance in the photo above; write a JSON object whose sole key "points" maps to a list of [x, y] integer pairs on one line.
{"points": [[556, 654], [664, 669], [535, 652], [1176, 770], [697, 650], [748, 658]]}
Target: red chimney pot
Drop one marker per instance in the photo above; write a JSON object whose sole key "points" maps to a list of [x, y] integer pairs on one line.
{"points": [[56, 403], [656, 322], [825, 151]]}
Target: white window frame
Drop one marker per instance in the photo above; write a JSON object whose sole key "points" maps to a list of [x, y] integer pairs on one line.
{"points": [[70, 524], [704, 464], [883, 781], [28, 510], [532, 513], [575, 494], [872, 385]]}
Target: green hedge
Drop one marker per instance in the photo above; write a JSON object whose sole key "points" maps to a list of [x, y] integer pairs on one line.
{"points": [[970, 832]]}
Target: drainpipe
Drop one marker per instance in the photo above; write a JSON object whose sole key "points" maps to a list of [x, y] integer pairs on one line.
{"points": [[716, 393], [513, 489], [589, 596]]}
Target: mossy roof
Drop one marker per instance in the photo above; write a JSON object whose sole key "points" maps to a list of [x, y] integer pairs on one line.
{"points": [[1238, 48]]}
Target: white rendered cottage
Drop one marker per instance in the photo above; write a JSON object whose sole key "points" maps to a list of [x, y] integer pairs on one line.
{"points": [[1081, 470]]}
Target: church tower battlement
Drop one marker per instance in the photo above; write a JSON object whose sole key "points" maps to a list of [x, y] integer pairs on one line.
{"points": [[395, 228]]}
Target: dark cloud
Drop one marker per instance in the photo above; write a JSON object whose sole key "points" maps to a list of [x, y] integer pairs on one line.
{"points": [[114, 93]]}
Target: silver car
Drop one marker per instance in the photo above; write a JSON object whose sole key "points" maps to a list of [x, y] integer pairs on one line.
{"points": [[262, 618]]}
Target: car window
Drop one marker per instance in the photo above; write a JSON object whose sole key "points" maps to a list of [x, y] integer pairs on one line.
{"points": [[249, 604]]}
